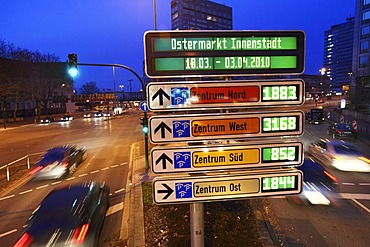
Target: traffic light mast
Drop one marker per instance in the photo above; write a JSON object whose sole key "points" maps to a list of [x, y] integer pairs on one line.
{"points": [[72, 65]]}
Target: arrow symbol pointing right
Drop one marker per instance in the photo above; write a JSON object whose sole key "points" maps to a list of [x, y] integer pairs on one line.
{"points": [[168, 191]]}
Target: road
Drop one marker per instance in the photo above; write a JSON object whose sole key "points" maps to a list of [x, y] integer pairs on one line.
{"points": [[344, 223], [108, 145]]}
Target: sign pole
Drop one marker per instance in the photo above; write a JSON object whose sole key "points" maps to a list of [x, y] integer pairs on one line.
{"points": [[197, 224]]}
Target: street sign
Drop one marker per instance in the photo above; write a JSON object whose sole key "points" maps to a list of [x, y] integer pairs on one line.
{"points": [[144, 106], [218, 126], [170, 96], [232, 186], [223, 53], [207, 158]]}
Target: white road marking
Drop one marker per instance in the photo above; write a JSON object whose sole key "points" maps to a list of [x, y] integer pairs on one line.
{"points": [[124, 163], [83, 175], [70, 178], [43, 186], [361, 205], [94, 171], [105, 168], [352, 196], [7, 233], [6, 197], [114, 209], [24, 192], [348, 183], [364, 183], [57, 182], [118, 191], [114, 166]]}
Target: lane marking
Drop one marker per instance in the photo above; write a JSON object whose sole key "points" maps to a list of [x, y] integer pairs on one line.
{"points": [[83, 175], [114, 209], [6, 197], [120, 190], [24, 192], [348, 183], [71, 178], [57, 182], [43, 186], [8, 233], [364, 183], [361, 205], [352, 196], [105, 168], [94, 171], [114, 166]]}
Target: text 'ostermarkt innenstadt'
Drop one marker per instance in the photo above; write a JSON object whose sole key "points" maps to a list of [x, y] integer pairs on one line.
{"points": [[226, 43]]}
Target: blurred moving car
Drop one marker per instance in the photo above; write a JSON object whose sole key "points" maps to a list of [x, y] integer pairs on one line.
{"points": [[72, 215], [342, 155], [98, 114], [87, 115], [338, 130], [59, 161], [47, 120], [67, 118], [319, 186]]}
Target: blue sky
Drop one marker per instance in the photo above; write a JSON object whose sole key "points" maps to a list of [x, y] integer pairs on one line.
{"points": [[111, 31]]}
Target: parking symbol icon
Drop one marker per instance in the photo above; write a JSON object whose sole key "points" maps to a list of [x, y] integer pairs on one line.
{"points": [[181, 128], [184, 190], [179, 95], [182, 160]]}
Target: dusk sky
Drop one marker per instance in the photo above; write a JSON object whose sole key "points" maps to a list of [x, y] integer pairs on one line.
{"points": [[111, 31]]}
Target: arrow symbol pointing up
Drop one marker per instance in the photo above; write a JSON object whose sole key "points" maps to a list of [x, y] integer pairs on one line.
{"points": [[162, 126], [163, 158], [160, 93], [168, 191]]}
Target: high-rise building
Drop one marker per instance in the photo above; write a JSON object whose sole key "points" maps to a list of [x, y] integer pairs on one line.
{"points": [[338, 48], [200, 15], [360, 83]]}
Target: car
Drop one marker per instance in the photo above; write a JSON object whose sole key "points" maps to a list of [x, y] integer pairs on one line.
{"points": [[66, 118], [339, 154], [59, 161], [98, 114], [70, 215], [47, 120], [341, 130], [87, 115], [319, 185]]}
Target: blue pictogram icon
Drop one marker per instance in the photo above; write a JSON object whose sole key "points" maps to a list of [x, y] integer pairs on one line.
{"points": [[181, 128], [182, 160], [184, 190], [179, 95]]}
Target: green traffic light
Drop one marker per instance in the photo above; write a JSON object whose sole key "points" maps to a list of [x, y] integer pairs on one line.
{"points": [[73, 72], [145, 129]]}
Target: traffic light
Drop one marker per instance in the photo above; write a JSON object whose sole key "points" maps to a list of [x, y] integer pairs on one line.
{"points": [[72, 64], [144, 123]]}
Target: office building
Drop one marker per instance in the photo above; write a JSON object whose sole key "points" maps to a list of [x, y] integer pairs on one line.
{"points": [[338, 48], [360, 83], [200, 15]]}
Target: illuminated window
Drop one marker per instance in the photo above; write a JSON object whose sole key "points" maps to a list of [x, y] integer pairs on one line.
{"points": [[366, 15], [365, 45], [366, 2], [364, 61], [365, 30]]}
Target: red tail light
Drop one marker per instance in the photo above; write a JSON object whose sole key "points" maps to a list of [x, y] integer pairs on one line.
{"points": [[65, 164], [35, 170], [80, 234], [24, 241], [334, 179]]}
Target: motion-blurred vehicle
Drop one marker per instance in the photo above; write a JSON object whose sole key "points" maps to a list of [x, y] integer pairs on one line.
{"points": [[342, 155], [87, 115], [98, 114], [316, 115], [59, 161], [47, 120], [319, 185], [66, 118], [340, 130], [72, 215]]}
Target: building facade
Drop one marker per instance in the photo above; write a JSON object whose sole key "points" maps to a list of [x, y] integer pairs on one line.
{"points": [[338, 48], [200, 15], [360, 76]]}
